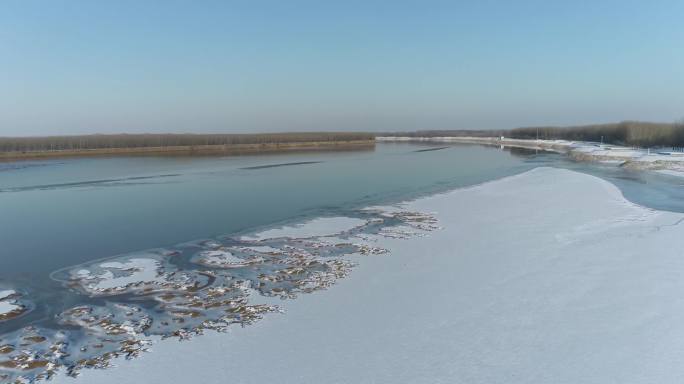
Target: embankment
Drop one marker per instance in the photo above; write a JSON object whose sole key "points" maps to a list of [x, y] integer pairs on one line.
{"points": [[192, 150]]}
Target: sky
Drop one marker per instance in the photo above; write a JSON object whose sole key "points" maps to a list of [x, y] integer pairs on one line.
{"points": [[79, 67]]}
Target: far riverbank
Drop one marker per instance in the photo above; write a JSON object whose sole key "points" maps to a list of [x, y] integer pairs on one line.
{"points": [[195, 150], [633, 158]]}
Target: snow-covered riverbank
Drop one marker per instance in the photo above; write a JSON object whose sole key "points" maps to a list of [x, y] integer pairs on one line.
{"points": [[548, 276], [658, 160]]}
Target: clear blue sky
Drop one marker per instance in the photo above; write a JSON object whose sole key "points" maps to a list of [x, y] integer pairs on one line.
{"points": [[71, 67]]}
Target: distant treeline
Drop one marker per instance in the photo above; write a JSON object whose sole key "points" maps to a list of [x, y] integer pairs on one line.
{"points": [[75, 143], [629, 133]]}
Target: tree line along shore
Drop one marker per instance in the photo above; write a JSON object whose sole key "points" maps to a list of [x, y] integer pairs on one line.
{"points": [[626, 133], [181, 144]]}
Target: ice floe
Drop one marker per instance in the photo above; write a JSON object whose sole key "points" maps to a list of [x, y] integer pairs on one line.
{"points": [[314, 228], [7, 293], [10, 306], [111, 277], [222, 258], [192, 288], [262, 249]]}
